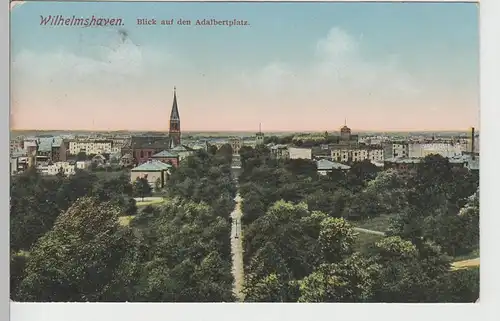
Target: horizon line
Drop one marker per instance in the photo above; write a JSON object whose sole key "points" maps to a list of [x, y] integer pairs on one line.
{"points": [[251, 130]]}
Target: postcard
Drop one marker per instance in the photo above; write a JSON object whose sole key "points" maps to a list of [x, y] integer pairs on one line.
{"points": [[244, 152]]}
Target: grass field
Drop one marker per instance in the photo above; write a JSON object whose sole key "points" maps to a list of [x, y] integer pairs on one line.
{"points": [[379, 223], [149, 202], [365, 240], [125, 220]]}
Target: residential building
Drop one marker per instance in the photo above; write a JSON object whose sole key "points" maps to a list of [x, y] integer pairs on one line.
{"points": [[376, 154], [341, 155], [153, 170], [409, 163], [59, 150], [59, 167], [236, 143], [182, 151], [167, 158], [14, 165], [325, 166], [83, 165], [279, 151], [100, 159], [44, 150], [127, 160], [90, 147], [357, 154], [418, 150], [299, 153], [396, 149]]}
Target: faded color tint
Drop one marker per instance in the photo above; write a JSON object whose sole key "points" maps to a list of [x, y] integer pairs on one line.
{"points": [[298, 66]]}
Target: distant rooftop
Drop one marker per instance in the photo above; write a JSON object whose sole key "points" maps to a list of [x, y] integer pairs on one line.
{"points": [[164, 154], [324, 165], [152, 166]]}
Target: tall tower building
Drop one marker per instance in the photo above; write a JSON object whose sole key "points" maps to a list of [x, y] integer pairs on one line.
{"points": [[259, 137], [345, 132], [175, 124]]}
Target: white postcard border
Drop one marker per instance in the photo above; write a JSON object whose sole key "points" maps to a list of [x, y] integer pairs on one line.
{"points": [[485, 310]]}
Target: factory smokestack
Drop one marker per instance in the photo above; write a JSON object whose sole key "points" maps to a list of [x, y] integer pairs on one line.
{"points": [[472, 140]]}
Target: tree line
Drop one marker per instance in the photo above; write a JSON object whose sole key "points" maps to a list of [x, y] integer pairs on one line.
{"points": [[69, 244], [299, 238]]}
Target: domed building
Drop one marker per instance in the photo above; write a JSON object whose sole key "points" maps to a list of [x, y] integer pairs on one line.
{"points": [[345, 132]]}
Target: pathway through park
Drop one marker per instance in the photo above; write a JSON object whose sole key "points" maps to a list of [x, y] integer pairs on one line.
{"points": [[237, 250]]}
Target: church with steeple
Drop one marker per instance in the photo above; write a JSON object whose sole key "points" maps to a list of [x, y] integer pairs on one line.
{"points": [[148, 147], [174, 132]]}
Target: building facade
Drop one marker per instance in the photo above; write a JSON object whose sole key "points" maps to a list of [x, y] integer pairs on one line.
{"points": [[299, 153], [90, 147], [236, 144], [345, 155], [154, 171], [279, 151]]}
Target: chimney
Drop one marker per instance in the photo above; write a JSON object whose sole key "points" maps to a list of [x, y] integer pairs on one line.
{"points": [[472, 143]]}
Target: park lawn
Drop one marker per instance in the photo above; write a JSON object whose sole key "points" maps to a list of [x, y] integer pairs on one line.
{"points": [[379, 223], [125, 220], [146, 203], [366, 240]]}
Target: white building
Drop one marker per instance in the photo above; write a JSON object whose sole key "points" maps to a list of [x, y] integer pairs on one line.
{"points": [[83, 164], [444, 149], [376, 155], [279, 151], [14, 165], [399, 150], [299, 153], [357, 154], [236, 143], [60, 167], [90, 146]]}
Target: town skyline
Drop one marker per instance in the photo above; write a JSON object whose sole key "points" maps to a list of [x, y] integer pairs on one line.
{"points": [[343, 60]]}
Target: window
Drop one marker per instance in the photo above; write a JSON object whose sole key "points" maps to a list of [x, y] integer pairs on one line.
{"points": [[142, 154]]}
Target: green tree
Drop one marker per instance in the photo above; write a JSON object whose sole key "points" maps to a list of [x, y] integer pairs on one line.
{"points": [[185, 255], [336, 239], [77, 259], [141, 188], [158, 185], [17, 266], [33, 208], [408, 274], [350, 280], [81, 156], [460, 286]]}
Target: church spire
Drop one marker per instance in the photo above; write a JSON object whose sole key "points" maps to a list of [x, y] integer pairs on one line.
{"points": [[175, 123], [174, 114]]}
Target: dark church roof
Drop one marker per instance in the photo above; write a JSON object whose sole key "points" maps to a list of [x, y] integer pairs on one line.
{"points": [[153, 142], [174, 115]]}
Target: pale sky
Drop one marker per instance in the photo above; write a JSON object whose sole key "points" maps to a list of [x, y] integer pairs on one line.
{"points": [[297, 66]]}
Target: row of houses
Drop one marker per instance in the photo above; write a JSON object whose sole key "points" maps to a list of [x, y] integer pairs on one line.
{"points": [[375, 153], [325, 166]]}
